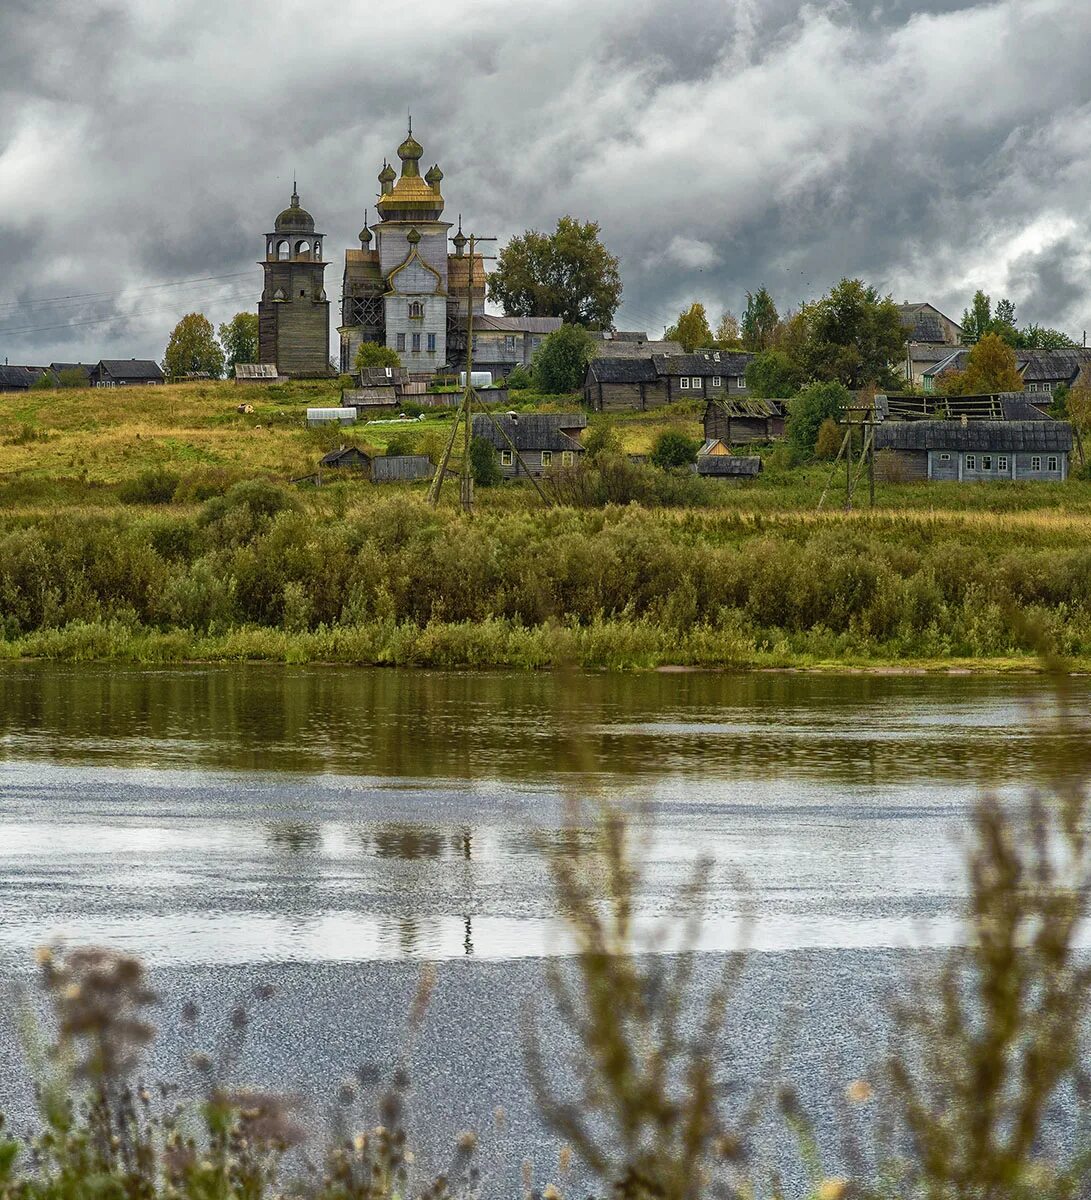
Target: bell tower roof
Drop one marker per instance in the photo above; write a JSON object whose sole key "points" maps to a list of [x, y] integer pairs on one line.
{"points": [[295, 218]]}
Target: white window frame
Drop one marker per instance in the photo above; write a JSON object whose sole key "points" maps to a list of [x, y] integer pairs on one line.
{"points": [[945, 456], [740, 381], [695, 383], [716, 381], [1052, 463], [1035, 462], [547, 458], [1002, 463], [506, 458], [971, 462], [986, 462], [683, 383], [1032, 387], [568, 457]]}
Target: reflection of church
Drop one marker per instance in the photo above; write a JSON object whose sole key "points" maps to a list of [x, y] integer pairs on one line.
{"points": [[409, 292]]}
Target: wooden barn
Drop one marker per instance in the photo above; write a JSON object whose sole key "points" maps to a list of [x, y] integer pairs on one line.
{"points": [[739, 420], [623, 382], [258, 373], [972, 451], [543, 440], [346, 458], [126, 372], [379, 468]]}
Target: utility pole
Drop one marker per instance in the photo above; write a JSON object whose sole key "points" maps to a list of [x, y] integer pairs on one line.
{"points": [[464, 414]]}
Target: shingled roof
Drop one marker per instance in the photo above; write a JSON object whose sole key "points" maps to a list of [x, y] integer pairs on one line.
{"points": [[534, 325], [1054, 437], [1050, 365], [531, 431], [703, 362], [621, 370], [131, 368]]}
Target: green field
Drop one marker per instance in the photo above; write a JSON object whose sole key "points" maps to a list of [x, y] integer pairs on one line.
{"points": [[234, 561]]}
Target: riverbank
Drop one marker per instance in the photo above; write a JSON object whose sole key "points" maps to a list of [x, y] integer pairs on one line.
{"points": [[610, 646]]}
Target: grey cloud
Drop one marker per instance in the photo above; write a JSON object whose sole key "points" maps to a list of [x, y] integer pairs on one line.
{"points": [[720, 144]]}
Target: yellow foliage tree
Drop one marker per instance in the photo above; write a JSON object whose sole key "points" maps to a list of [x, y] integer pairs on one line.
{"points": [[990, 367], [829, 439]]}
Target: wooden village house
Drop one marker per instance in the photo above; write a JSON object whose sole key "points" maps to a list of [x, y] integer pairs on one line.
{"points": [[624, 382], [126, 372], [715, 460], [543, 440], [972, 451]]}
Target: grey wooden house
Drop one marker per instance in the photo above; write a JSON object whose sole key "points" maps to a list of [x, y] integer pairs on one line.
{"points": [[544, 440], [740, 420], [728, 466], [704, 373], [623, 382], [126, 372], [973, 451]]}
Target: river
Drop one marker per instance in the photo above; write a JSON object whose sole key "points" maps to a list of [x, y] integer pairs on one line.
{"points": [[330, 829]]}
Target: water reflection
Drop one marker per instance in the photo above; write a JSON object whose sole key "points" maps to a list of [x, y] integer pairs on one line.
{"points": [[328, 815]]}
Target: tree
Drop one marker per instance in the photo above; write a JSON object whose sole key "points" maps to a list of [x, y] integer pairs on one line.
{"points": [[401, 443], [1078, 408], [808, 410], [192, 348], [759, 320], [560, 362], [772, 375], [977, 318], [691, 329], [829, 439], [728, 336], [673, 449], [239, 338], [44, 383], [602, 438], [374, 354], [1038, 337], [73, 377], [990, 367], [850, 336], [568, 274], [484, 463]]}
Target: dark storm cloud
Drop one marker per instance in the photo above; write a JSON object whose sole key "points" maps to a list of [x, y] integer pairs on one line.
{"points": [[931, 146]]}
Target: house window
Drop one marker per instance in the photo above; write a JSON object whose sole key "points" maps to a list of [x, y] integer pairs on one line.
{"points": [[971, 462], [715, 381], [399, 341], [986, 462], [1036, 462], [1001, 462], [1047, 387], [416, 343], [1032, 387], [505, 458], [509, 344], [945, 457], [431, 343], [568, 457], [695, 383], [416, 310], [740, 381], [1051, 463], [683, 383], [547, 458]]}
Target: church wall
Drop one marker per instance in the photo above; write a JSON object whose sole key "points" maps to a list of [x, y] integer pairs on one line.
{"points": [[434, 321]]}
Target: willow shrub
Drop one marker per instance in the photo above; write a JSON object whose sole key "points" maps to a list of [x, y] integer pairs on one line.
{"points": [[256, 557]]}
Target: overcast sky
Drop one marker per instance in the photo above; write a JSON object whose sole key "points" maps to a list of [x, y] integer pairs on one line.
{"points": [[928, 146]]}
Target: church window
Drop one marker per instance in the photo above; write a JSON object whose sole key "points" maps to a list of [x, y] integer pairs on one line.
{"points": [[416, 343], [431, 343], [399, 341], [416, 310], [284, 250], [318, 249], [302, 248]]}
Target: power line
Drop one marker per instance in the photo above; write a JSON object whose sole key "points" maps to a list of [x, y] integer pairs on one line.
{"points": [[120, 292], [117, 316]]}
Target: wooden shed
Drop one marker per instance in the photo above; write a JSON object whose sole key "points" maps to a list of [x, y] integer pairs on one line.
{"points": [[400, 468], [349, 458], [258, 373], [972, 451], [740, 420]]}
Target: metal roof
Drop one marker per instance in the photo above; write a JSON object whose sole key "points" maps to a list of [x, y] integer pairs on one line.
{"points": [[630, 347], [728, 464], [256, 371], [486, 321], [1010, 436]]}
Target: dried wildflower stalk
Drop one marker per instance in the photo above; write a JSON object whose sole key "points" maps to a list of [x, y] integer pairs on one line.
{"points": [[646, 1118]]}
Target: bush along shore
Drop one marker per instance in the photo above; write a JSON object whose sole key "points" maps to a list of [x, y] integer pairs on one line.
{"points": [[264, 573]]}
